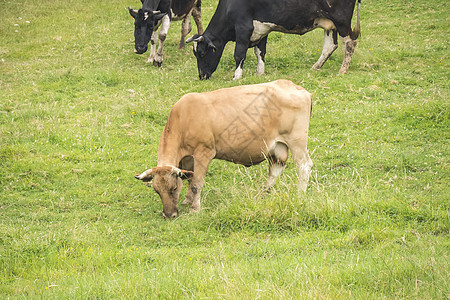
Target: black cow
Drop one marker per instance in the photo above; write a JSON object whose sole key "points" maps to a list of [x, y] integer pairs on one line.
{"points": [[156, 13], [249, 22]]}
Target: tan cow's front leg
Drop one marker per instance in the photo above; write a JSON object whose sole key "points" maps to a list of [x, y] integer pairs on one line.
{"points": [[202, 158]]}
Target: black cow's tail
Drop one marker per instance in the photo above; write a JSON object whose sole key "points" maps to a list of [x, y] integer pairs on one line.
{"points": [[357, 29]]}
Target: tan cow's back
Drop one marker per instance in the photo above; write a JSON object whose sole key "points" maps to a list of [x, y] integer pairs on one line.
{"points": [[242, 122]]}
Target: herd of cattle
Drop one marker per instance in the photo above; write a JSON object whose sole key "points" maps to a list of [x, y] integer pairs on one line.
{"points": [[244, 124]]}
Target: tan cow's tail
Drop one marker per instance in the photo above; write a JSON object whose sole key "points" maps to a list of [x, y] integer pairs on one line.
{"points": [[357, 29]]}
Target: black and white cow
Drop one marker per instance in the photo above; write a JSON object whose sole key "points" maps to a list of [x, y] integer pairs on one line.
{"points": [[159, 13], [249, 22]]}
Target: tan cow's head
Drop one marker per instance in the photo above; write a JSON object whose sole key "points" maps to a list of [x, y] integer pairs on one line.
{"points": [[167, 182]]}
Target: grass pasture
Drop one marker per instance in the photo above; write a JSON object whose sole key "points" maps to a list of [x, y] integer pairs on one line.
{"points": [[80, 114]]}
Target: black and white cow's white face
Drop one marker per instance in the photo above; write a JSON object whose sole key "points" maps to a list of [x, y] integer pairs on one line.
{"points": [[208, 56], [144, 24]]}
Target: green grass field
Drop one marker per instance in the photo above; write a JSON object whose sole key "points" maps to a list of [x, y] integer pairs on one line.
{"points": [[80, 114]]}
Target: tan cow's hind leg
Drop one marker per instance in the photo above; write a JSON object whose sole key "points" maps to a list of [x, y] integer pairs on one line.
{"points": [[279, 154], [349, 48], [275, 170], [304, 165]]}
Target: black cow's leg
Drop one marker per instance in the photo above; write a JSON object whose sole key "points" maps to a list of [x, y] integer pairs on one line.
{"points": [[330, 44], [349, 49], [165, 23], [197, 14], [260, 52], [185, 29], [243, 34], [153, 41]]}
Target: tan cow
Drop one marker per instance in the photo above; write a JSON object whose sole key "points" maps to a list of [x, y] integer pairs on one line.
{"points": [[244, 124]]}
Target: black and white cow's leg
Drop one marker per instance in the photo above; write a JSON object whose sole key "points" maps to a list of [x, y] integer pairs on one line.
{"points": [[243, 34], [185, 29], [202, 158], [165, 24], [330, 43], [302, 161], [197, 14], [349, 49], [153, 40], [260, 52], [277, 162]]}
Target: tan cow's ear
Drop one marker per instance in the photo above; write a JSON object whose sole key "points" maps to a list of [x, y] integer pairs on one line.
{"points": [[186, 174]]}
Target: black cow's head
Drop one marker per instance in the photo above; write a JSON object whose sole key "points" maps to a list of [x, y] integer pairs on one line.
{"points": [[144, 24], [208, 55]]}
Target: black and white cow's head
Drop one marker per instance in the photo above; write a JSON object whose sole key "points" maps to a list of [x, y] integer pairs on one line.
{"points": [[207, 54], [144, 24]]}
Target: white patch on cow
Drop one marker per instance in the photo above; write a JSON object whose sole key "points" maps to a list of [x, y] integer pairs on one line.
{"points": [[165, 24], [153, 41], [324, 23], [328, 48], [260, 30], [260, 65], [238, 73], [195, 46]]}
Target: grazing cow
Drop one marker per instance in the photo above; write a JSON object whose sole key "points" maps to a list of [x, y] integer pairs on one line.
{"points": [[156, 13], [243, 124], [249, 22]]}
